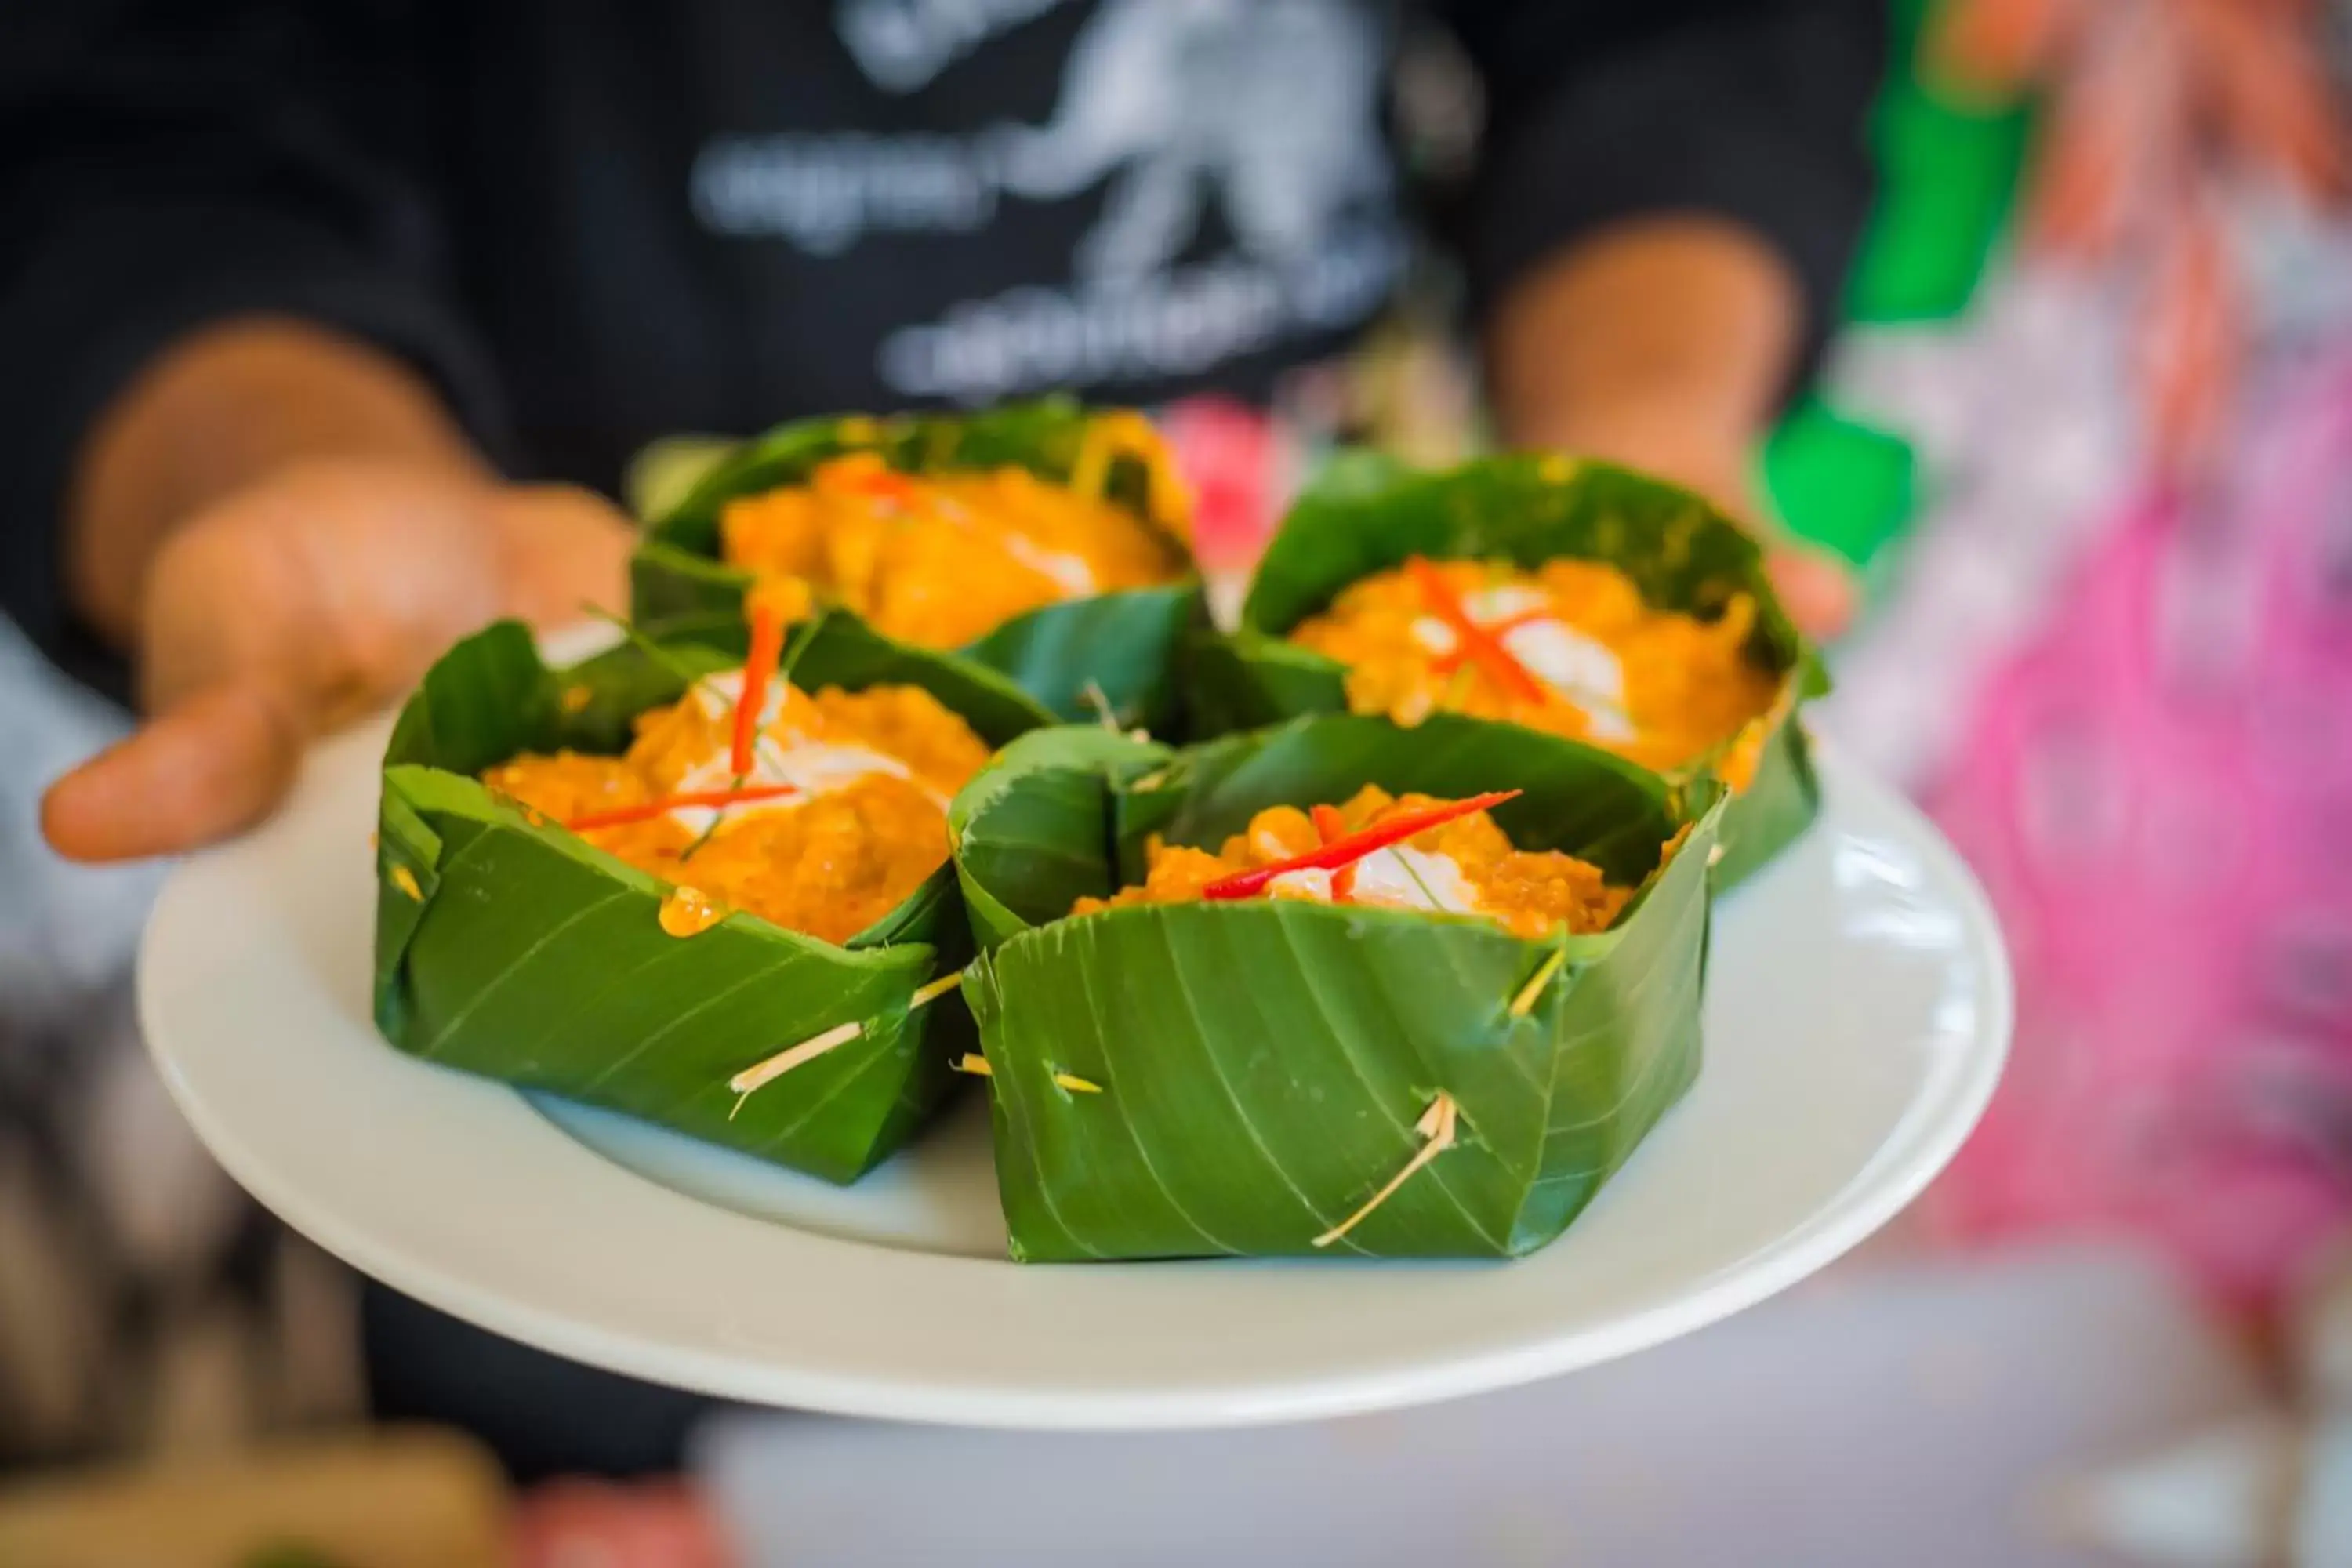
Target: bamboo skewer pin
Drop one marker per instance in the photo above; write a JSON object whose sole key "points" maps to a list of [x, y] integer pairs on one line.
{"points": [[977, 1065], [1436, 1126], [1439, 1124], [1525, 1001], [1099, 700], [758, 1076]]}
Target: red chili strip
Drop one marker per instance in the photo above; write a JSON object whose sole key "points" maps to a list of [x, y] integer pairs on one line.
{"points": [[645, 811], [1480, 644], [1349, 848], [886, 482], [1332, 828], [767, 647], [1457, 656]]}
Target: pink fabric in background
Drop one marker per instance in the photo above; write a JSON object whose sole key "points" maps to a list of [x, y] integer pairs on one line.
{"points": [[616, 1524], [1239, 465], [2157, 793]]}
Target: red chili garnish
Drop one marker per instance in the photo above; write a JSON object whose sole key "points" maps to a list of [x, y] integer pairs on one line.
{"points": [[1457, 656], [884, 482], [1332, 828], [1470, 637], [645, 811], [1350, 847], [767, 647]]}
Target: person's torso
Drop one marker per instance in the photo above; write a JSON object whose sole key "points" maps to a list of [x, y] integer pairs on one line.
{"points": [[712, 215]]}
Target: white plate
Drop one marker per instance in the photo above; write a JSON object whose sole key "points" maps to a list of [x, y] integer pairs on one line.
{"points": [[1857, 1014]]}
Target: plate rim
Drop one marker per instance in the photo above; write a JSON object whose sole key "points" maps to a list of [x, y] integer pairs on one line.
{"points": [[1845, 1219]]}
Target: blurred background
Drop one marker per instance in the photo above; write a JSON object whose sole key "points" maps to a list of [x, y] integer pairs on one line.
{"points": [[2084, 432]]}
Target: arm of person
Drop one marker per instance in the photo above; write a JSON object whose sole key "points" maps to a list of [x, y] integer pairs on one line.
{"points": [[252, 460], [1668, 205], [1662, 342]]}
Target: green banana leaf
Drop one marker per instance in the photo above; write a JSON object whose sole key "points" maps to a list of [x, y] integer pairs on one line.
{"points": [[1368, 513], [1261, 1065], [1124, 645], [509, 947]]}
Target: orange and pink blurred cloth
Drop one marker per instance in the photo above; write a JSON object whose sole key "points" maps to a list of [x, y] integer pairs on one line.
{"points": [[2157, 791]]}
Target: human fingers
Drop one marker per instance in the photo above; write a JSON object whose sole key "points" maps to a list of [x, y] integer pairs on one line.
{"points": [[1817, 589], [560, 548], [211, 765]]}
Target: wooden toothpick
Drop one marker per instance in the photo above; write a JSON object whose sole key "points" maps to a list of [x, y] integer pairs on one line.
{"points": [[758, 1076], [1437, 1126], [1525, 1001]]}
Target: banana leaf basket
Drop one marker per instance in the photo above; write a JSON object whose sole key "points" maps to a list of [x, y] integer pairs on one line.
{"points": [[1254, 1077], [1115, 649], [1368, 513], [509, 947]]}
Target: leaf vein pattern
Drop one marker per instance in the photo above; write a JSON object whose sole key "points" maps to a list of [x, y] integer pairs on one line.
{"points": [[492, 987], [1119, 1104], [1404, 1130]]}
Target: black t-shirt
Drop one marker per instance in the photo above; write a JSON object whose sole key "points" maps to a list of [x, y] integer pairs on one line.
{"points": [[594, 221]]}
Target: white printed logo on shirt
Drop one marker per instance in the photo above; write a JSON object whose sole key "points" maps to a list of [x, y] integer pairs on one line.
{"points": [[1269, 104], [901, 45], [1266, 111]]}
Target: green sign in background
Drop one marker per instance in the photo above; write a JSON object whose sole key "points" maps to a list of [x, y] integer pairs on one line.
{"points": [[1948, 179]]}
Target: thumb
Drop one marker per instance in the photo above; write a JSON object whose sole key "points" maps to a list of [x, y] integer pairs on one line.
{"points": [[211, 765], [1816, 588]]}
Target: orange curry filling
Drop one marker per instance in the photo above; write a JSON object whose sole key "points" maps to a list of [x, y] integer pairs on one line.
{"points": [[1569, 647], [1462, 864], [840, 815], [942, 559]]}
